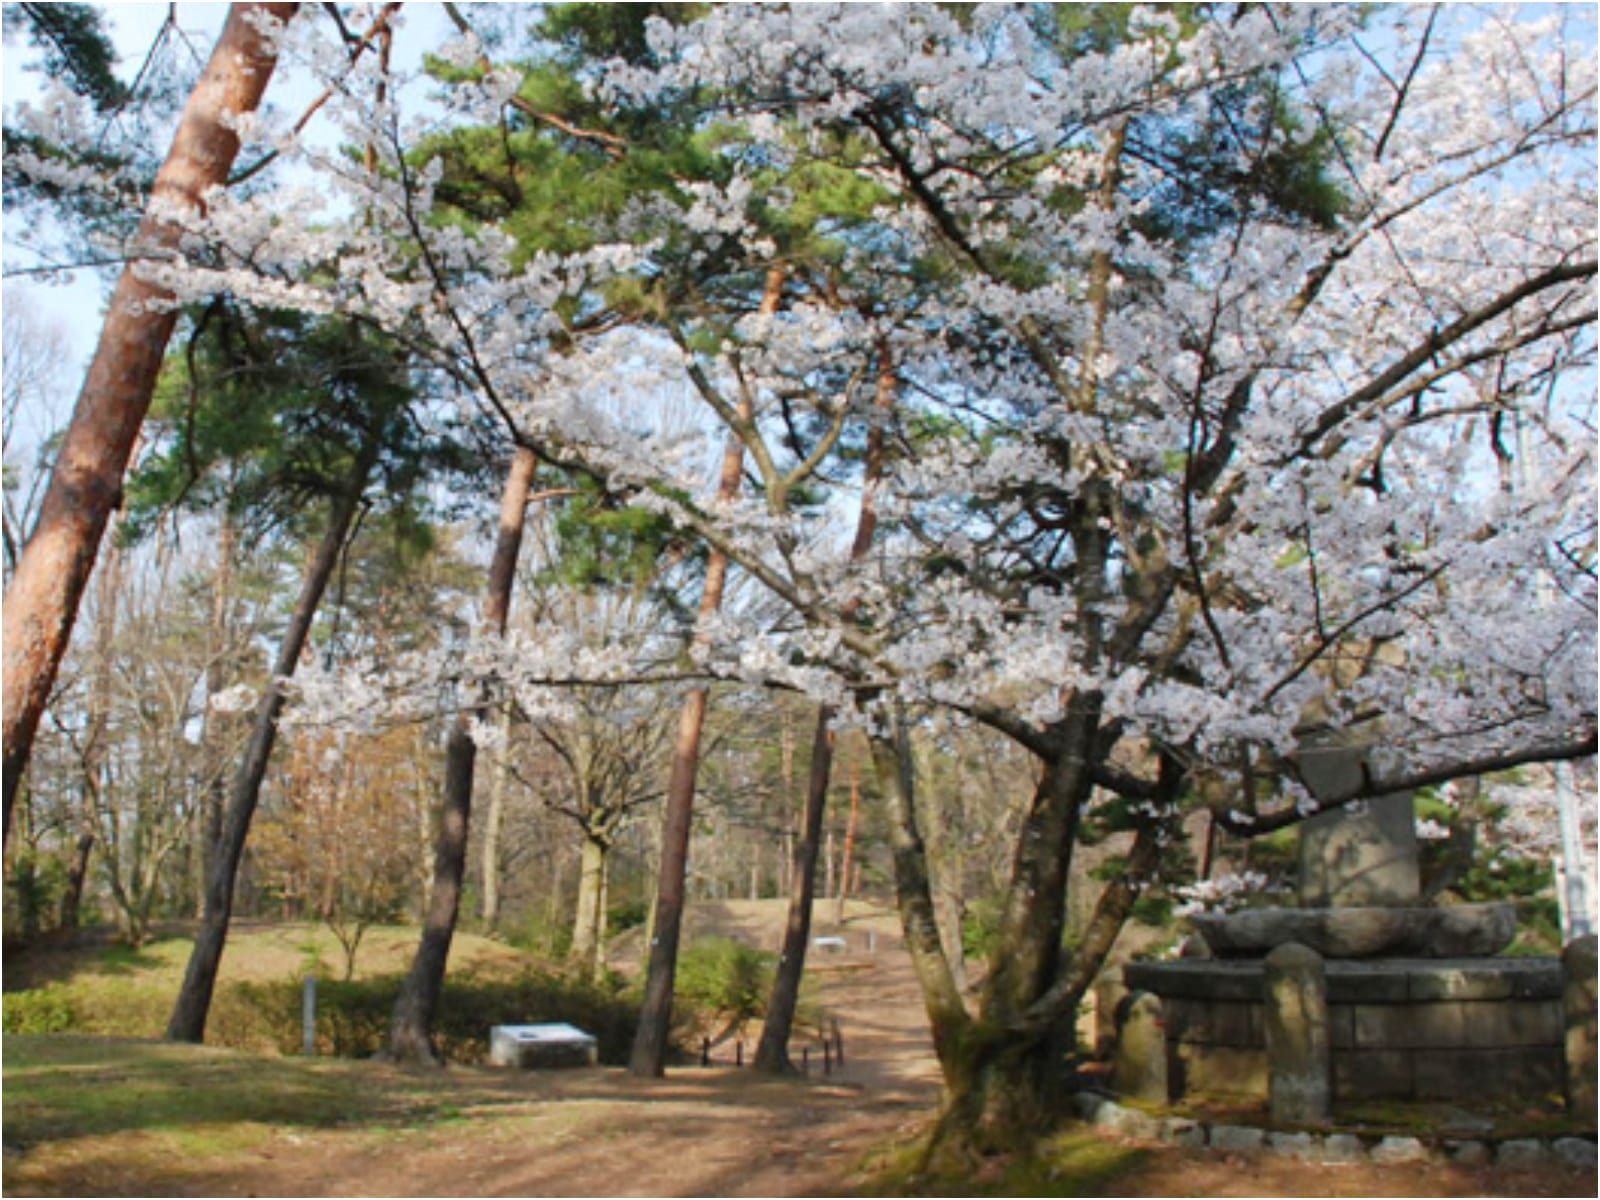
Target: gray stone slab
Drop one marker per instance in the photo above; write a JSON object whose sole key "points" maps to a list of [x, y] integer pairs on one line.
{"points": [[1303, 1147], [1127, 1122], [1237, 1139], [1343, 1148], [1521, 1152], [1373, 1075], [1196, 979], [1180, 1131], [1477, 979], [1399, 1150], [1576, 1152], [1466, 1152], [1450, 1074]]}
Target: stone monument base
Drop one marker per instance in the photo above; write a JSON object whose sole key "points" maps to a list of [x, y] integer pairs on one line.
{"points": [[1402, 1029]]}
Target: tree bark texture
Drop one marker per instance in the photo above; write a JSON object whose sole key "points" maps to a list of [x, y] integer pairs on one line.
{"points": [[589, 923], [772, 1052], [411, 1028], [650, 1043], [42, 601], [188, 1023]]}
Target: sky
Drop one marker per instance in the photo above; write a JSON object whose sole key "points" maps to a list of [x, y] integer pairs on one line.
{"points": [[75, 308]]}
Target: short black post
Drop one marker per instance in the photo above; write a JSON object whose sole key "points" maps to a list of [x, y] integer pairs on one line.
{"points": [[738, 1053], [805, 1060], [838, 1043], [705, 1053], [827, 1057]]}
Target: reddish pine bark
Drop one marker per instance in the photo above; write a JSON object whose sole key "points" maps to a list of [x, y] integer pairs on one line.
{"points": [[42, 601]]}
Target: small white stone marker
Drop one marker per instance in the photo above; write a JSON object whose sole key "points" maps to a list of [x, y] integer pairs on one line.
{"points": [[550, 1045]]}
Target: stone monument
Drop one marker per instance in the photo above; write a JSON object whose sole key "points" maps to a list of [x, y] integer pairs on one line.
{"points": [[1417, 1004]]}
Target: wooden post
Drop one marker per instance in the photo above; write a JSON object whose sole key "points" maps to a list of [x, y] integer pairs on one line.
{"points": [[838, 1042], [705, 1053], [738, 1053]]}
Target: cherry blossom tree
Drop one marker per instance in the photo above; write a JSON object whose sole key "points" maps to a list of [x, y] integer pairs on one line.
{"points": [[1215, 341]]}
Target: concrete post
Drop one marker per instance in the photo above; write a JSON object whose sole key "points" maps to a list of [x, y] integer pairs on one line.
{"points": [[1299, 1064], [308, 1017], [1579, 969]]}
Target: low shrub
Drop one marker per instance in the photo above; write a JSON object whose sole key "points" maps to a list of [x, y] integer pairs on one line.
{"points": [[42, 1010], [727, 981]]}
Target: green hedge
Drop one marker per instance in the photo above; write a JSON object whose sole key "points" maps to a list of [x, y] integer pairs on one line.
{"points": [[353, 1017]]}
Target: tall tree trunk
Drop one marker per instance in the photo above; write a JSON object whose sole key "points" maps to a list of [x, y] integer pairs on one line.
{"points": [[188, 1023], [772, 1052], [947, 1014], [42, 601], [416, 1009], [649, 1054]]}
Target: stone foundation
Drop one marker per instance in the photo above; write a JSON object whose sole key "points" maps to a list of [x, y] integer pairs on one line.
{"points": [[1403, 1029]]}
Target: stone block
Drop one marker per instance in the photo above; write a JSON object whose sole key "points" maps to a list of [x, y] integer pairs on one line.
{"points": [[1576, 1152], [1399, 1150], [1410, 1026], [1512, 1023], [1180, 1131], [1467, 1152], [1139, 1069], [1373, 1075], [1451, 1074], [1087, 1104], [1224, 1072], [1127, 1122], [1341, 1026], [1496, 979], [1343, 1148], [1362, 854], [1356, 982], [1302, 1147], [1579, 970], [1237, 1139], [1216, 1023], [1521, 1152], [1196, 979]]}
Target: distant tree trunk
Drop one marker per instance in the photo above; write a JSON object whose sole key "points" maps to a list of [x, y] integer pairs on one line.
{"points": [[411, 1027], [85, 486], [216, 784], [188, 1023], [588, 926], [849, 851], [493, 824], [649, 1055], [772, 1052], [77, 874]]}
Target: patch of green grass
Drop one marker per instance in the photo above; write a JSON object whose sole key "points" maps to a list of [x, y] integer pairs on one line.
{"points": [[66, 1086], [1073, 1163]]}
